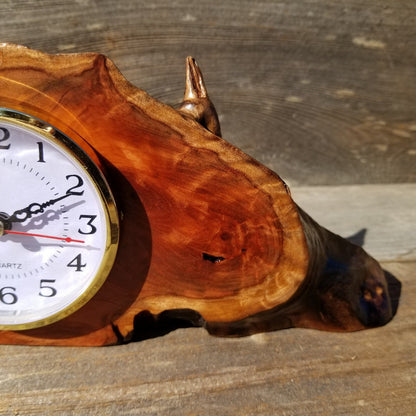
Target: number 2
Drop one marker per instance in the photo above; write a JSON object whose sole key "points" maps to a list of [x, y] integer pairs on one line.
{"points": [[6, 136], [78, 185]]}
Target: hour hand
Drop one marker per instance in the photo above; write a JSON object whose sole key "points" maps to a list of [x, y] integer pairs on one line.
{"points": [[21, 215]]}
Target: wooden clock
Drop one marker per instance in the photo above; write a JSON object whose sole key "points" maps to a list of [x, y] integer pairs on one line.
{"points": [[116, 207]]}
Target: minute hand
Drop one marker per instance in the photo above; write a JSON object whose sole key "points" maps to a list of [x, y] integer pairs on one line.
{"points": [[24, 214]]}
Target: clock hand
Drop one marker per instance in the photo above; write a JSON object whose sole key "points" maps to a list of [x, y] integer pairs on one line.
{"points": [[22, 215], [67, 239]]}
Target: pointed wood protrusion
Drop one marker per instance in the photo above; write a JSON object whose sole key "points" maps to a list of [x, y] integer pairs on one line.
{"points": [[196, 103]]}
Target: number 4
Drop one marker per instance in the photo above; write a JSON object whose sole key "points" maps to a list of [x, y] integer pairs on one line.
{"points": [[77, 263]]}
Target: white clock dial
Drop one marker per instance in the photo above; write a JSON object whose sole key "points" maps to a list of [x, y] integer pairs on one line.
{"points": [[58, 225]]}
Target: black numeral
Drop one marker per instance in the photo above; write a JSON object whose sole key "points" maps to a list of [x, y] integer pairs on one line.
{"points": [[45, 290], [93, 228], [41, 155], [77, 263], [7, 296], [6, 136], [80, 182]]}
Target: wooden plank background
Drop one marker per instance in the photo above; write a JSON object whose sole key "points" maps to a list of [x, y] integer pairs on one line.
{"points": [[323, 93]]}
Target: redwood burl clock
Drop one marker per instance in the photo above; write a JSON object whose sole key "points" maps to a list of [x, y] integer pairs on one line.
{"points": [[115, 206]]}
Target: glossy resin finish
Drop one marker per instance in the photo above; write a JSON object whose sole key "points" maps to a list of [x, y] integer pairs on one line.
{"points": [[208, 234]]}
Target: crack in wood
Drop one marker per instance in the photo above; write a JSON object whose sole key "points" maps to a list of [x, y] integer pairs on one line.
{"points": [[212, 259]]}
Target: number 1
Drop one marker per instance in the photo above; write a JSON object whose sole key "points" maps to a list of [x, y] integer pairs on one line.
{"points": [[41, 156]]}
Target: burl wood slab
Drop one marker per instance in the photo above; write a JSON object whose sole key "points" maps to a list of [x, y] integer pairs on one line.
{"points": [[208, 234]]}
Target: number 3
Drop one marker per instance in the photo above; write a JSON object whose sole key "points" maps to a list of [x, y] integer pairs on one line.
{"points": [[93, 228]]}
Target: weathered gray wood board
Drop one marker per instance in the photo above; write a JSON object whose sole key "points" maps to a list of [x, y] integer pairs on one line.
{"points": [[320, 91], [323, 93], [383, 216], [188, 372]]}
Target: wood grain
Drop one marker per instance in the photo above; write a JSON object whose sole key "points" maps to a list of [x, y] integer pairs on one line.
{"points": [[226, 241], [200, 195]]}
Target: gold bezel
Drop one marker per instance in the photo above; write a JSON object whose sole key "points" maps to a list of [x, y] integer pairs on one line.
{"points": [[103, 190]]}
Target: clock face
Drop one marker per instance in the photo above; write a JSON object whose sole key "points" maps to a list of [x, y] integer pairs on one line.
{"points": [[58, 224]]}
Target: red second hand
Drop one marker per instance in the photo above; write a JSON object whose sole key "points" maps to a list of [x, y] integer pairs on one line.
{"points": [[67, 239]]}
